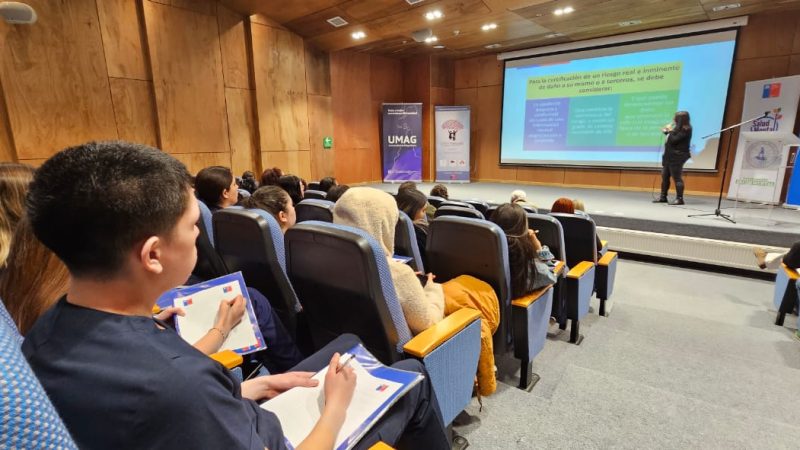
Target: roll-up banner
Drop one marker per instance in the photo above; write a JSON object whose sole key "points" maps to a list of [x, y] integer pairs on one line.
{"points": [[760, 164], [452, 144], [401, 142]]}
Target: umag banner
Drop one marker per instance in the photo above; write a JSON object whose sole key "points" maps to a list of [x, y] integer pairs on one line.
{"points": [[452, 143], [402, 142], [761, 163]]}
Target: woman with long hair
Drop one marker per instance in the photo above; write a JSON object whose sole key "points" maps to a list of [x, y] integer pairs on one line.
{"points": [[293, 185], [270, 176], [413, 203], [275, 201], [216, 187], [676, 153], [14, 181]]}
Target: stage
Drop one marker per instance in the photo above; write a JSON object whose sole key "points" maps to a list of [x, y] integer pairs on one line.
{"points": [[631, 222]]}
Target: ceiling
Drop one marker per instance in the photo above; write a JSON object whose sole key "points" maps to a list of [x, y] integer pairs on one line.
{"points": [[388, 24]]}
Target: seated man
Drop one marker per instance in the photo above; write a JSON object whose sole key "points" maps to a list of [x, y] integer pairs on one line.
{"points": [[123, 219]]}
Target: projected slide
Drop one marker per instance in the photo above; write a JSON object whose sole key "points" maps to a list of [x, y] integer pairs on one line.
{"points": [[606, 107]]}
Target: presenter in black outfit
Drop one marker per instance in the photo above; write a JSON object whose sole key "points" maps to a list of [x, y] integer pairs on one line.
{"points": [[676, 153]]}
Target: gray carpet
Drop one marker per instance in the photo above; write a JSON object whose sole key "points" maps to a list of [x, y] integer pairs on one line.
{"points": [[687, 359], [756, 224]]}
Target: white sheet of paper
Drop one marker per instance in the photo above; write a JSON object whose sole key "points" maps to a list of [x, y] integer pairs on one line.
{"points": [[202, 311], [299, 409]]}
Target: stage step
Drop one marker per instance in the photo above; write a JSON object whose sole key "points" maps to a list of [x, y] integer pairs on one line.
{"points": [[683, 248]]}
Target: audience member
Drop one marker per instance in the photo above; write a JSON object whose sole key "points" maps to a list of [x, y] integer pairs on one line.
{"points": [[270, 176], [564, 205], [375, 212], [275, 201], [126, 229], [216, 187], [249, 182], [520, 197], [413, 202], [14, 180], [336, 192], [440, 190], [406, 185], [770, 260], [293, 186], [430, 210], [327, 183], [580, 208], [304, 183], [528, 271]]}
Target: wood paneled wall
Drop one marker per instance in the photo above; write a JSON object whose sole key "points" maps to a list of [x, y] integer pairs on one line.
{"points": [[768, 47]]}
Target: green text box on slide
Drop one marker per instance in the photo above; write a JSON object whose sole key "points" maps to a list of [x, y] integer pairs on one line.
{"points": [[641, 116], [626, 80], [592, 121]]}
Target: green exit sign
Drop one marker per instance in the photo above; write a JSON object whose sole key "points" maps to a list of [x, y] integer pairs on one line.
{"points": [[327, 142]]}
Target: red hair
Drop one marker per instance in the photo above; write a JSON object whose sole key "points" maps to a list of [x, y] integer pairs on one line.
{"points": [[563, 205]]}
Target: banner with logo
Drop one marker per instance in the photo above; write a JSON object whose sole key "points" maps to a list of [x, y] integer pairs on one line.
{"points": [[452, 143], [401, 142], [760, 164]]}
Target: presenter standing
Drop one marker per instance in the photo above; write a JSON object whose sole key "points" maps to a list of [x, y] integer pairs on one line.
{"points": [[676, 153]]}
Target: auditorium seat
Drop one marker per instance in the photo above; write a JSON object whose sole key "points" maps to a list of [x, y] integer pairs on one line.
{"points": [[463, 246], [251, 241], [405, 242], [436, 201], [314, 209], [490, 211], [447, 210], [529, 209], [244, 193], [480, 205], [313, 185], [551, 235], [458, 203], [580, 235], [29, 420], [315, 194], [205, 216], [344, 282], [785, 297]]}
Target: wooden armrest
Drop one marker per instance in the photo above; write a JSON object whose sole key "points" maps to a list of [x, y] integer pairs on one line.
{"points": [[228, 358], [380, 445], [434, 336], [607, 258], [559, 267], [580, 269], [791, 273], [603, 244], [526, 300]]}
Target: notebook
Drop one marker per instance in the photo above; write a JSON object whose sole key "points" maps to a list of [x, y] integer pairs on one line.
{"points": [[201, 303], [378, 387]]}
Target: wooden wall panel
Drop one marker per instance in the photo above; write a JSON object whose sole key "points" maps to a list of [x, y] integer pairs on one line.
{"points": [[187, 75], [350, 79], [202, 6], [320, 119], [466, 73], [386, 79], [121, 27], [55, 79], [767, 35], [232, 39], [442, 96], [592, 177], [279, 66], [242, 130], [135, 110], [7, 151], [197, 161], [417, 89], [543, 175], [490, 71], [318, 71], [291, 162], [488, 142]]}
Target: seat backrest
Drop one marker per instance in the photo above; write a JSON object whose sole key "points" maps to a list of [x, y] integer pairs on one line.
{"points": [[480, 205], [436, 201], [314, 209], [27, 418], [405, 242], [251, 241], [456, 203], [490, 211], [343, 280], [579, 238], [550, 233], [209, 263], [446, 210], [313, 185], [243, 193], [463, 246], [530, 209], [205, 216], [316, 194]]}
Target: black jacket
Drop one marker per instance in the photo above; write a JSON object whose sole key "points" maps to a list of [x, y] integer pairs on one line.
{"points": [[676, 149]]}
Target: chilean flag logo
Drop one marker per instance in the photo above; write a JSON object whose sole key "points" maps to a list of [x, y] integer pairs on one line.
{"points": [[771, 90], [227, 289]]}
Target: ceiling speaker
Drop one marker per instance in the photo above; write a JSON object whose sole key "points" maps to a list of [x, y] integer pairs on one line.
{"points": [[421, 35], [17, 13]]}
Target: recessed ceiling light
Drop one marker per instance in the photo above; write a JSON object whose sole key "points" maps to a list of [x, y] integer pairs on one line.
{"points": [[724, 7], [358, 35], [438, 46], [565, 10], [553, 35], [433, 15], [568, 9], [630, 23], [493, 46], [489, 26], [430, 39]]}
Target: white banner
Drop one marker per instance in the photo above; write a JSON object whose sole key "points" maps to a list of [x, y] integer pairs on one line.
{"points": [[760, 163], [452, 143]]}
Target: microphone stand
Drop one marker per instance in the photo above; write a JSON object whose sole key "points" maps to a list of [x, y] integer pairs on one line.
{"points": [[717, 212]]}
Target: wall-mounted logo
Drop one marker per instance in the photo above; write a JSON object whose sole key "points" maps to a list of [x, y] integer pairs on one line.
{"points": [[393, 139], [771, 90], [762, 155], [452, 127], [772, 121]]}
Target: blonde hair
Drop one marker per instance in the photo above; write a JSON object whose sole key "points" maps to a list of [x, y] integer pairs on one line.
{"points": [[579, 206], [34, 278], [519, 196], [14, 181]]}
